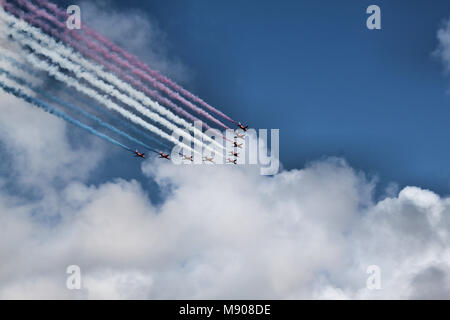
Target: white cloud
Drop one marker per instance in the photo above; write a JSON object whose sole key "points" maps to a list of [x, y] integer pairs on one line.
{"points": [[34, 137], [148, 41], [223, 232], [443, 49], [38, 141]]}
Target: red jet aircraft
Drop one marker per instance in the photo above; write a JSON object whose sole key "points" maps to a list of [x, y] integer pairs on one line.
{"points": [[238, 145], [137, 154], [209, 159], [164, 155], [241, 126]]}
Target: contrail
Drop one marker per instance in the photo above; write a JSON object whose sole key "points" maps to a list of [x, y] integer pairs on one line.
{"points": [[136, 62], [53, 71], [124, 123], [41, 104], [135, 71], [91, 55], [23, 82], [58, 54], [67, 52], [110, 77], [93, 80], [90, 105]]}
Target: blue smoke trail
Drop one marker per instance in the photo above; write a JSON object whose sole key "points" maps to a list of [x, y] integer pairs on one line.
{"points": [[29, 70], [99, 121], [123, 123], [73, 107], [40, 104]]}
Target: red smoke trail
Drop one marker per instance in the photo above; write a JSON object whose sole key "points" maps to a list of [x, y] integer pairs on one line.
{"points": [[33, 19], [134, 60], [124, 64]]}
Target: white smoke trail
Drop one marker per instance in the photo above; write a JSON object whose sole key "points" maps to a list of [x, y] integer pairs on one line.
{"points": [[89, 77], [53, 71], [61, 54]]}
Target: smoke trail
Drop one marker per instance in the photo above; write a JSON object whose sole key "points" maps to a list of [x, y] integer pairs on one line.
{"points": [[156, 74], [136, 62], [77, 58], [135, 71], [41, 104], [99, 121], [164, 147], [57, 56], [25, 83], [82, 74], [53, 70], [92, 106], [89, 54]]}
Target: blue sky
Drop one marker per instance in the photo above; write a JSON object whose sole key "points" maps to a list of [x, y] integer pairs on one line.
{"points": [[378, 99], [312, 69]]}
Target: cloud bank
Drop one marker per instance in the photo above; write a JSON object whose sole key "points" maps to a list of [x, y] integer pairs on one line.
{"points": [[221, 231], [224, 232]]}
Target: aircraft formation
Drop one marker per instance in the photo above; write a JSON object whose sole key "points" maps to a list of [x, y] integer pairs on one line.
{"points": [[235, 154]]}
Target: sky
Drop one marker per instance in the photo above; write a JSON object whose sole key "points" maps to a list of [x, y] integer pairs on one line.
{"points": [[313, 70], [363, 144]]}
